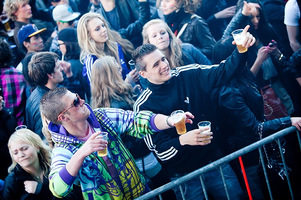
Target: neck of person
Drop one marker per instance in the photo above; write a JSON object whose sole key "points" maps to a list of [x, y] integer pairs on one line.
{"points": [[51, 85], [26, 21], [166, 53], [108, 5], [78, 129], [35, 169]]}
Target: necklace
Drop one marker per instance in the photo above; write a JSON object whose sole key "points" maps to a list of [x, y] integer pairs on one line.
{"points": [[37, 178]]}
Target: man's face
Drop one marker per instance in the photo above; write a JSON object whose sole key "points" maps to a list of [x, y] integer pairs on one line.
{"points": [[75, 114], [57, 75], [35, 44], [157, 68], [23, 13]]}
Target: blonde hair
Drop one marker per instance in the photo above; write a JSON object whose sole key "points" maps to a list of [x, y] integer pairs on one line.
{"points": [[190, 6], [89, 46], [33, 139], [12, 6], [175, 57], [46, 131], [107, 84]]}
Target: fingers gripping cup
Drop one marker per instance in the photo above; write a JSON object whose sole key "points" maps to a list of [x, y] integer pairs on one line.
{"points": [[178, 117], [104, 152], [239, 37], [204, 124]]}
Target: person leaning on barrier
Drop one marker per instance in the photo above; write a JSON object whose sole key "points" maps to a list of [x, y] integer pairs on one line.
{"points": [[187, 88], [75, 160], [242, 122]]}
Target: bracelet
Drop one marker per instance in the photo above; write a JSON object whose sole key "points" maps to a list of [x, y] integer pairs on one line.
{"points": [[280, 57], [168, 122]]}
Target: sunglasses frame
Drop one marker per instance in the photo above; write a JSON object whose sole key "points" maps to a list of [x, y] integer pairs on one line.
{"points": [[77, 99]]}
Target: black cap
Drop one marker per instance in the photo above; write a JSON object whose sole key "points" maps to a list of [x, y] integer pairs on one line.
{"points": [[68, 35]]}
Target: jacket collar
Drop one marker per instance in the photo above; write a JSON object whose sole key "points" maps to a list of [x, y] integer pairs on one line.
{"points": [[60, 134]]}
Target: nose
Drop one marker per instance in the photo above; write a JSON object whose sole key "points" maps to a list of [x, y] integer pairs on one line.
{"points": [[40, 39], [20, 154], [256, 20], [82, 102], [162, 4], [104, 29], [28, 6]]}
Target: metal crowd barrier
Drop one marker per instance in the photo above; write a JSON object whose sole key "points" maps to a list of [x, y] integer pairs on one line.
{"points": [[257, 145]]}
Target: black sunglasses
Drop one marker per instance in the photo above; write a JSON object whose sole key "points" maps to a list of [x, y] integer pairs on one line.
{"points": [[75, 103]]}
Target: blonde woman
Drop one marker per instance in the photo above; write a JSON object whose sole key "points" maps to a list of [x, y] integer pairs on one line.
{"points": [[96, 40], [107, 87], [158, 33], [28, 174]]}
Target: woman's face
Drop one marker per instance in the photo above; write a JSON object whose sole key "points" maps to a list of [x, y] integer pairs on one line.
{"points": [[256, 19], [24, 154], [158, 36], [98, 30], [168, 6]]}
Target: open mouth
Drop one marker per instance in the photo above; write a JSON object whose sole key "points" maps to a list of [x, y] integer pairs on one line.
{"points": [[165, 72]]}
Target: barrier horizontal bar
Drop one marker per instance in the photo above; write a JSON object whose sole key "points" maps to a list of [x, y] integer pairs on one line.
{"points": [[217, 163]]}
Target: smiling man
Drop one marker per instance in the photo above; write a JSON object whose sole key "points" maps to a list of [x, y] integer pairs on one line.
{"points": [[187, 88]]}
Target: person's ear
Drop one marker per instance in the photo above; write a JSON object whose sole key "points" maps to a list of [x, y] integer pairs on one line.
{"points": [[63, 117], [26, 44], [50, 76], [142, 73]]}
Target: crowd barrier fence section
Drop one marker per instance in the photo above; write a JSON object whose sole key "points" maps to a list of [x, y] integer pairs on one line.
{"points": [[218, 163]]}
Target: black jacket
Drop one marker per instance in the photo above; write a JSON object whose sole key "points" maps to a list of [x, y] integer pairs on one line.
{"points": [[195, 32], [189, 89], [14, 186], [33, 116], [131, 18], [241, 118], [7, 127]]}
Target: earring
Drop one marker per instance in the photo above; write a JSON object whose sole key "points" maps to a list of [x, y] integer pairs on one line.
{"points": [[38, 151]]}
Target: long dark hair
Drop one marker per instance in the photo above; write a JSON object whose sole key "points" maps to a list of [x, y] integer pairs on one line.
{"points": [[265, 32], [72, 50]]}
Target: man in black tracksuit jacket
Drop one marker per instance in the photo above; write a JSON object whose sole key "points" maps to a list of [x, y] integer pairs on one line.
{"points": [[187, 88]]}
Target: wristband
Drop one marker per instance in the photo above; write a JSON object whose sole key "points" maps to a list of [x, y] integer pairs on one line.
{"points": [[168, 122]]}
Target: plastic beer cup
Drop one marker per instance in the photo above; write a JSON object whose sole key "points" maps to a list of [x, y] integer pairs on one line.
{"points": [[239, 38], [203, 124], [103, 136], [178, 117]]}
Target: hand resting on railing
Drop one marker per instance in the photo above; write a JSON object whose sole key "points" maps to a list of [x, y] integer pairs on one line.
{"points": [[296, 121]]}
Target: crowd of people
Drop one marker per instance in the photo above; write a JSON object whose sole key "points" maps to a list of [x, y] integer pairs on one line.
{"points": [[135, 62]]}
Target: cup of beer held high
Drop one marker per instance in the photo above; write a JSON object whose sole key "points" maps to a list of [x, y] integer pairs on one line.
{"points": [[239, 37], [178, 117], [205, 124], [103, 136]]}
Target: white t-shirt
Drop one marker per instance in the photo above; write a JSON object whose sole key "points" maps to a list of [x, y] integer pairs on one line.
{"points": [[291, 13]]}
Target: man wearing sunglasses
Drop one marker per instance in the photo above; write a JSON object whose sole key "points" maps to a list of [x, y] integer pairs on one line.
{"points": [[45, 72], [74, 129]]}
